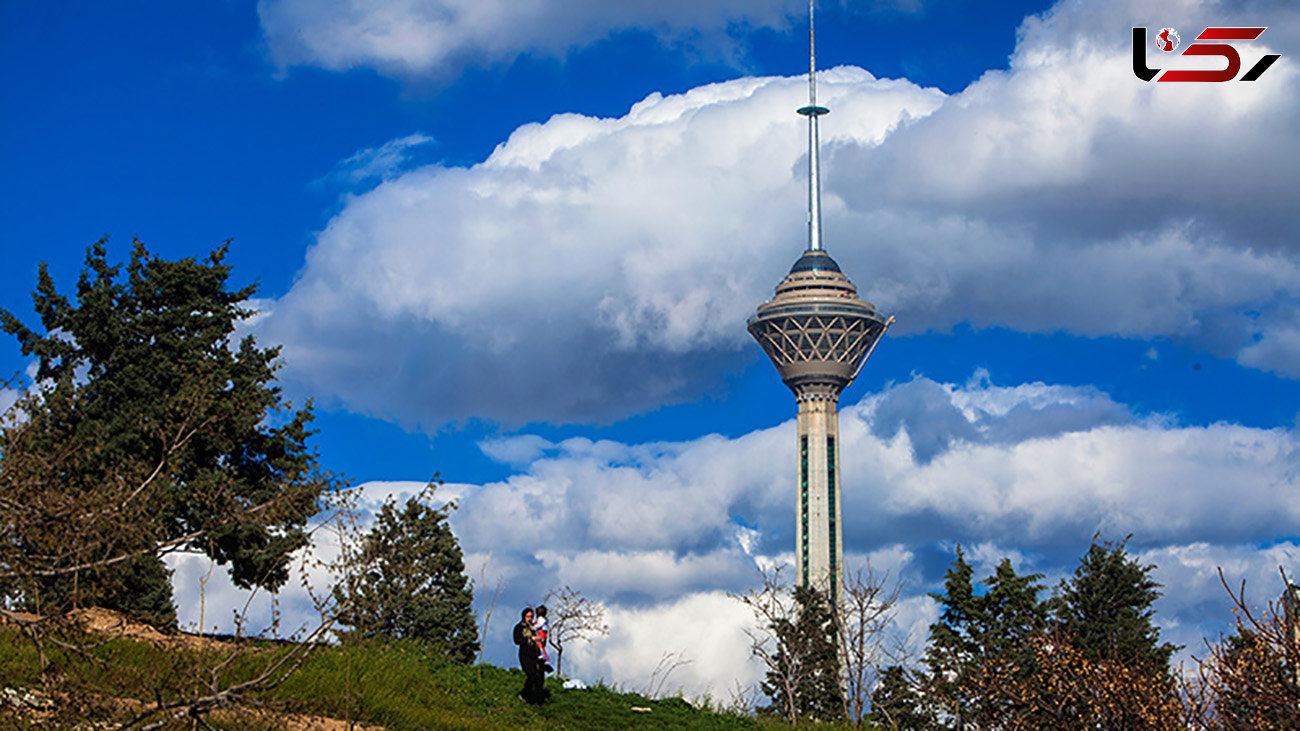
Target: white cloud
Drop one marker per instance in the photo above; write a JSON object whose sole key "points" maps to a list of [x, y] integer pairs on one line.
{"points": [[1189, 573], [592, 268], [704, 631], [657, 575], [516, 450], [1165, 484], [1275, 346], [439, 37], [583, 255], [378, 163]]}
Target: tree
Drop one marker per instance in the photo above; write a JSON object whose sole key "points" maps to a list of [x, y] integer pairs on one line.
{"points": [[864, 614], [1251, 679], [999, 657], [1107, 607], [1251, 684], [1064, 688], [1105, 612], [898, 704], [804, 679], [980, 634], [148, 430], [571, 617], [795, 639], [411, 581]]}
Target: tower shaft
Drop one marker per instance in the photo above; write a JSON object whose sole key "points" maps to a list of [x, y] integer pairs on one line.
{"points": [[819, 538]]}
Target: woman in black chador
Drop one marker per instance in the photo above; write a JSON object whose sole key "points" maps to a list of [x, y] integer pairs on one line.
{"points": [[534, 678]]}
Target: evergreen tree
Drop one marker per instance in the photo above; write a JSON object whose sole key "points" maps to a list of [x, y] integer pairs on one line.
{"points": [[804, 682], [979, 636], [897, 705], [412, 583], [149, 429], [1107, 608]]}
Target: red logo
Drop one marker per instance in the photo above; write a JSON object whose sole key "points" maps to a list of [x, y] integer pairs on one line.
{"points": [[1167, 40]]}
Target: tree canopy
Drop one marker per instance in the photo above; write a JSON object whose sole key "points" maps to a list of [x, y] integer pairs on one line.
{"points": [[149, 428], [1107, 607], [979, 630], [411, 583]]}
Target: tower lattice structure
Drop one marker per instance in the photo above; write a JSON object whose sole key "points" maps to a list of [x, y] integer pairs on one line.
{"points": [[818, 333]]}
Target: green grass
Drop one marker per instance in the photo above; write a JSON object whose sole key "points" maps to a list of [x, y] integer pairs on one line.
{"points": [[395, 686], [404, 688]]}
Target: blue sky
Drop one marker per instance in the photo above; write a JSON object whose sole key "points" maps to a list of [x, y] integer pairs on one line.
{"points": [[516, 244]]}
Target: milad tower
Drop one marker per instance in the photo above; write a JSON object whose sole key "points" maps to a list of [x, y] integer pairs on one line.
{"points": [[818, 333]]}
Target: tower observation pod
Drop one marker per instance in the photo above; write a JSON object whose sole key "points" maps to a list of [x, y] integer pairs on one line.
{"points": [[818, 333]]}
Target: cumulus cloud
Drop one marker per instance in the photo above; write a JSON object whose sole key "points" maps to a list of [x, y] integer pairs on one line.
{"points": [[592, 268], [936, 415], [694, 645], [582, 256], [438, 37], [1100, 205], [661, 532], [1195, 604]]}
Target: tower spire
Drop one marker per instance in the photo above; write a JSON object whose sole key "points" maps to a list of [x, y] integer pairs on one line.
{"points": [[812, 112]]}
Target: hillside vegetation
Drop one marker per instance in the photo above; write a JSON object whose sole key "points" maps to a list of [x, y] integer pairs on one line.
{"points": [[393, 686]]}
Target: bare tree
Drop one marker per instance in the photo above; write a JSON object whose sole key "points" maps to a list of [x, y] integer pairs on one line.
{"points": [[1249, 680], [489, 604], [571, 617], [668, 663], [865, 612]]}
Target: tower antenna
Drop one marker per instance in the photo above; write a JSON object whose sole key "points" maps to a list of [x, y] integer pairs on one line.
{"points": [[812, 112]]}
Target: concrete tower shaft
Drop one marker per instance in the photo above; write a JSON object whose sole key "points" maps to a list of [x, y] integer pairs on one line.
{"points": [[818, 333]]}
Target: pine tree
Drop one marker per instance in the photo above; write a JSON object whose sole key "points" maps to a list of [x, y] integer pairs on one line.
{"points": [[979, 636], [1107, 607], [412, 583], [149, 428], [805, 680], [1088, 658], [897, 705], [141, 588]]}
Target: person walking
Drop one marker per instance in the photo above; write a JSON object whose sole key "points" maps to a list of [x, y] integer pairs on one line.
{"points": [[525, 637]]}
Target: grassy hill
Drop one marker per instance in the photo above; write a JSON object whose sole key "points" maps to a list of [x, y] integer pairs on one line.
{"points": [[389, 686]]}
